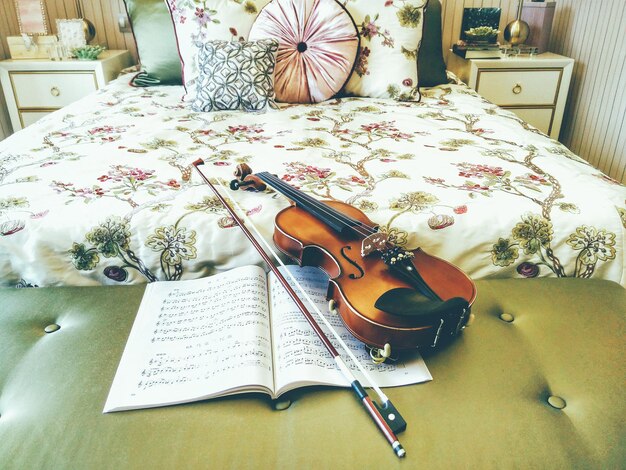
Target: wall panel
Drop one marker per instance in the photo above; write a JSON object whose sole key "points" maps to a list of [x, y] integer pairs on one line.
{"points": [[596, 111], [593, 125]]}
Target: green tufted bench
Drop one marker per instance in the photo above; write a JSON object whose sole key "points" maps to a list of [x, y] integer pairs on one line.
{"points": [[536, 382]]}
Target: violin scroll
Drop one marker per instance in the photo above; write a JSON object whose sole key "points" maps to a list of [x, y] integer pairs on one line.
{"points": [[242, 170], [246, 180]]}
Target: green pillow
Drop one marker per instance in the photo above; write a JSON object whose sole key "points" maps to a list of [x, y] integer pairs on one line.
{"points": [[431, 69], [156, 43]]}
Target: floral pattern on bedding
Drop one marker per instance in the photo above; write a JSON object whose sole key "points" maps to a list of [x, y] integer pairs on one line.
{"points": [[102, 191]]}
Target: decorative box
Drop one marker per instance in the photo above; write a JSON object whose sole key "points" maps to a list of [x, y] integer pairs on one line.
{"points": [[39, 48]]}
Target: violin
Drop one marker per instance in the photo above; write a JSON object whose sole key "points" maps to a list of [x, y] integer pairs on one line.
{"points": [[389, 298]]}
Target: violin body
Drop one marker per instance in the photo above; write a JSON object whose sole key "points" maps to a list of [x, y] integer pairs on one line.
{"points": [[356, 282], [388, 297]]}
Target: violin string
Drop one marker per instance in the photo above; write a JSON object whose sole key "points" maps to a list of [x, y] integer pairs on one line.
{"points": [[295, 194], [334, 332], [333, 213]]}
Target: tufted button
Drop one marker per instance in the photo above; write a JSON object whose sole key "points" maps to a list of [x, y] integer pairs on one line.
{"points": [[52, 328], [556, 402], [281, 404], [507, 317]]}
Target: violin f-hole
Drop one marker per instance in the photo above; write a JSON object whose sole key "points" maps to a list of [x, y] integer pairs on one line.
{"points": [[353, 263]]}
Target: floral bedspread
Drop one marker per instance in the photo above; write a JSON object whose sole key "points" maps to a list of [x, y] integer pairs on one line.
{"points": [[98, 193]]}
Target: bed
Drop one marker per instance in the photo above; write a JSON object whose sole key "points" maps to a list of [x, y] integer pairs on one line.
{"points": [[101, 192]]}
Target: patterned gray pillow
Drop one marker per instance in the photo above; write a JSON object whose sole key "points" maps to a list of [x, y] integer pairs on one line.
{"points": [[236, 75]]}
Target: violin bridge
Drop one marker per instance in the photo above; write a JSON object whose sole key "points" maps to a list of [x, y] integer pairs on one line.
{"points": [[374, 242]]}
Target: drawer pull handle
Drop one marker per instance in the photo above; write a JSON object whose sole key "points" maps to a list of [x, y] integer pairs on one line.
{"points": [[517, 89], [54, 91]]}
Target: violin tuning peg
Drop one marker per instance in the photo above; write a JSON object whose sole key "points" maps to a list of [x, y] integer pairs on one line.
{"points": [[248, 184], [253, 183]]}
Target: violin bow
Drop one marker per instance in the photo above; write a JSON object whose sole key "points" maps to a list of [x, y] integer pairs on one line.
{"points": [[389, 423]]}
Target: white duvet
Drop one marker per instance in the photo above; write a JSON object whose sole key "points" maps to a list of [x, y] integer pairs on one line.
{"points": [[95, 194]]}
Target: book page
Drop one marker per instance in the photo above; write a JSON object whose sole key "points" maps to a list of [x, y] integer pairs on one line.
{"points": [[196, 339], [300, 358]]}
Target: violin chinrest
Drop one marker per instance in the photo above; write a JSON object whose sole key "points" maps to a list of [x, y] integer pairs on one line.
{"points": [[407, 302]]}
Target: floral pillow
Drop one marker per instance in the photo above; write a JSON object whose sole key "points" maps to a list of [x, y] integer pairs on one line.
{"points": [[196, 22], [318, 44], [391, 33], [235, 75]]}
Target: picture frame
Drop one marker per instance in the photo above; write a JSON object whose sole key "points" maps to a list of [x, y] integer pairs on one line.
{"points": [[71, 33], [31, 17], [476, 17]]}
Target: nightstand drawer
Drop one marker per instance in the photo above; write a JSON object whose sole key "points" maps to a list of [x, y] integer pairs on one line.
{"points": [[51, 89], [541, 118], [30, 117], [526, 87]]}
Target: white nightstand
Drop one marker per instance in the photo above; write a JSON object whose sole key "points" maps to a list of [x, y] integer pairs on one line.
{"points": [[534, 88], [34, 88]]}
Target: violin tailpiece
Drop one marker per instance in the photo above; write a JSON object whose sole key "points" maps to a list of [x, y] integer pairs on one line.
{"points": [[400, 262]]}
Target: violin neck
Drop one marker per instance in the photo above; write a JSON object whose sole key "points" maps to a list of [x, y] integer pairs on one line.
{"points": [[338, 221]]}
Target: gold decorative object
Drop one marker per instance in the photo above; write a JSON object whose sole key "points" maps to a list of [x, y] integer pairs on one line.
{"points": [[88, 27], [516, 32]]}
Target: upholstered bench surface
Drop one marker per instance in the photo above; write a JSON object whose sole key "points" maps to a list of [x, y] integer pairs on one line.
{"points": [[561, 341]]}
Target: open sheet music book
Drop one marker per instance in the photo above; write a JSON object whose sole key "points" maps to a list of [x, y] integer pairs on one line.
{"points": [[237, 331]]}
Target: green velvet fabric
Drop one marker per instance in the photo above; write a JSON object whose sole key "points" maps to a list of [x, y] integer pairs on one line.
{"points": [[431, 69], [156, 43], [488, 406]]}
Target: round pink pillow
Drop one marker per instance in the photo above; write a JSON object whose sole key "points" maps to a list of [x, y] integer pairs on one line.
{"points": [[318, 44]]}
